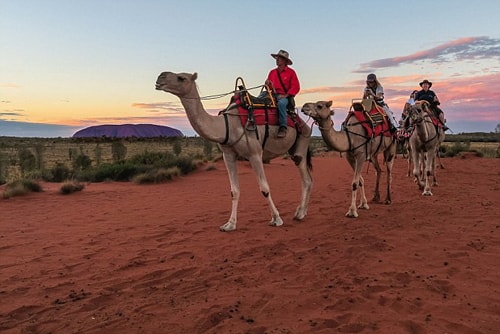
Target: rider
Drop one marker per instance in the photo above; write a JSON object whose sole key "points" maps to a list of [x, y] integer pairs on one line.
{"points": [[284, 84], [428, 95], [403, 121], [375, 90]]}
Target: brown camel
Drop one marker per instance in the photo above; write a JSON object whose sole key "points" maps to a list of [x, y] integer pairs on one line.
{"points": [[236, 141], [424, 144], [358, 146]]}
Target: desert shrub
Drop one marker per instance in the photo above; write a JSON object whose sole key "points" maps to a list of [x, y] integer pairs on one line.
{"points": [[82, 162], [58, 173], [210, 167], [177, 147], [70, 187], [27, 160], [186, 165], [98, 154], [158, 159], [123, 171], [21, 187], [118, 151], [456, 148], [157, 175]]}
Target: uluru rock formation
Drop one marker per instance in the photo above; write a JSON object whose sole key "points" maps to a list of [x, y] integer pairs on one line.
{"points": [[128, 130]]}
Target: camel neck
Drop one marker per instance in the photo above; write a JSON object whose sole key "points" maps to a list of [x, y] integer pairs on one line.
{"points": [[335, 139], [207, 126]]}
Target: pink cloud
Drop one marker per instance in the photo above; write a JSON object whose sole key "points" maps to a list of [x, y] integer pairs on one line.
{"points": [[465, 48]]}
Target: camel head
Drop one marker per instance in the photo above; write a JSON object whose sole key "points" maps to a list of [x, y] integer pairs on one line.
{"points": [[179, 84], [418, 111], [319, 111]]}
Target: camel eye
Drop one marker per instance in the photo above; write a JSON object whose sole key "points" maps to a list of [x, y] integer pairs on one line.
{"points": [[179, 78], [320, 107]]}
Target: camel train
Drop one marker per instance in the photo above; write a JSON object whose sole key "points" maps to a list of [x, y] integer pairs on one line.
{"points": [[242, 131], [237, 138]]}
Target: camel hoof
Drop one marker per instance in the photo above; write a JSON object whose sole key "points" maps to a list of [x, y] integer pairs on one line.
{"points": [[388, 201], [427, 193], [351, 214], [227, 227], [276, 221], [300, 214], [364, 206]]}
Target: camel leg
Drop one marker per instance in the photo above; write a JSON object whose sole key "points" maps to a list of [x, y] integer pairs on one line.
{"points": [[378, 170], [230, 160], [357, 182], [389, 155], [437, 162], [258, 167], [408, 173], [306, 181], [301, 153], [428, 171], [363, 202], [416, 168]]}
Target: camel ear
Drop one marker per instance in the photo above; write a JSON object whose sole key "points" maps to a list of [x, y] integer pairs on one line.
{"points": [[194, 76], [329, 104]]}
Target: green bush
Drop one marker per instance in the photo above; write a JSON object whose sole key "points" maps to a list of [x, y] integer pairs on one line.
{"points": [[118, 172], [158, 159], [157, 175], [82, 162], [58, 173]]}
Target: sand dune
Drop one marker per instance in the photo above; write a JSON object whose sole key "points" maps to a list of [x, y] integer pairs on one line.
{"points": [[127, 258]]}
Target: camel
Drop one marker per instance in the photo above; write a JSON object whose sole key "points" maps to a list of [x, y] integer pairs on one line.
{"points": [[236, 141], [424, 144], [405, 143], [358, 147]]}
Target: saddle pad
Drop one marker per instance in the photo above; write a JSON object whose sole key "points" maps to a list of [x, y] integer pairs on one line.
{"points": [[376, 130], [259, 115]]}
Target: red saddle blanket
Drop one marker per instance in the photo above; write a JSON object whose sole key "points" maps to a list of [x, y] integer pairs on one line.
{"points": [[259, 115], [372, 130], [434, 119]]}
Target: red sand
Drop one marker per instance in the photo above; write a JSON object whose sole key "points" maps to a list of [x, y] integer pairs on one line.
{"points": [[127, 258]]}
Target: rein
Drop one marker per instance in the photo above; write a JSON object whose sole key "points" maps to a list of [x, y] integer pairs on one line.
{"points": [[218, 96]]}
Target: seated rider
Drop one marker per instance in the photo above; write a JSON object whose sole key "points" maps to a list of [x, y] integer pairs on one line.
{"points": [[375, 91], [428, 95], [284, 83], [404, 121]]}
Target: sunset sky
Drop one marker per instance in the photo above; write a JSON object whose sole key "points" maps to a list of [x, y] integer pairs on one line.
{"points": [[66, 65]]}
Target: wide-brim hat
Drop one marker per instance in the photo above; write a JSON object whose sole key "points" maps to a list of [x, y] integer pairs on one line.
{"points": [[282, 54], [427, 82]]}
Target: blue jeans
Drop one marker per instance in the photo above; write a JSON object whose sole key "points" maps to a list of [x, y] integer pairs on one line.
{"points": [[282, 105]]}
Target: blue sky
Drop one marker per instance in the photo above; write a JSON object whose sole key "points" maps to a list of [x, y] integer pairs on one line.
{"points": [[66, 65]]}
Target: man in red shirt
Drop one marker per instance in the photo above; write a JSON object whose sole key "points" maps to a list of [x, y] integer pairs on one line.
{"points": [[283, 82]]}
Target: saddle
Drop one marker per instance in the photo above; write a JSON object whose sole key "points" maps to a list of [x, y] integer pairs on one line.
{"points": [[262, 110], [432, 110], [371, 116]]}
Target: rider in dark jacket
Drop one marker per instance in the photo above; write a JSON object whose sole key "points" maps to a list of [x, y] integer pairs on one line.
{"points": [[428, 95]]}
